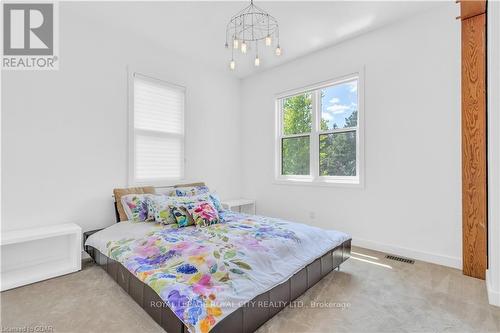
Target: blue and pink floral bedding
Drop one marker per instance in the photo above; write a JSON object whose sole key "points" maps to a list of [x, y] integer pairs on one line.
{"points": [[205, 273]]}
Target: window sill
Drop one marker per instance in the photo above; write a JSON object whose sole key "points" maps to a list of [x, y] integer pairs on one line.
{"points": [[351, 183]]}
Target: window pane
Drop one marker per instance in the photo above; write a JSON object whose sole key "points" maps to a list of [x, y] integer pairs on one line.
{"points": [[295, 156], [158, 157], [337, 154], [339, 106], [297, 116]]}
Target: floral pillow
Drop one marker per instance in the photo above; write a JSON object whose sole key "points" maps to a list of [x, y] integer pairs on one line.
{"points": [[199, 192], [182, 216], [203, 213], [137, 207], [191, 191], [216, 201], [160, 208], [199, 213], [183, 201]]}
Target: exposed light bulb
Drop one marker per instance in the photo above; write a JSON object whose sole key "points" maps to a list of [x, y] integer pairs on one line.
{"points": [[235, 43], [243, 47], [232, 65], [278, 51], [268, 40], [257, 61]]}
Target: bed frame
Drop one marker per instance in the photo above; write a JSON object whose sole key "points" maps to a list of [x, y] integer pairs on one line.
{"points": [[247, 318]]}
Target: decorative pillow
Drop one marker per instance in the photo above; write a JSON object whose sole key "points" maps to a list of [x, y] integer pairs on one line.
{"points": [[183, 201], [120, 192], [216, 201], [191, 190], [160, 207], [199, 192], [182, 216], [203, 213], [137, 207]]}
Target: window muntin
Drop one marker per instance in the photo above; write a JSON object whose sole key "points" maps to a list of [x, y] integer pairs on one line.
{"points": [[330, 150]]}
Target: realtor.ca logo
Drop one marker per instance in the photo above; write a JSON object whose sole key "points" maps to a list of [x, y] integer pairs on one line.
{"points": [[30, 36]]}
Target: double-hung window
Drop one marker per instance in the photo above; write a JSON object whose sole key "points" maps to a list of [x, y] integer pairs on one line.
{"points": [[318, 133], [157, 131]]}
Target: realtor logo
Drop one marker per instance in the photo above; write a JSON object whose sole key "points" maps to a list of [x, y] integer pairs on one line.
{"points": [[29, 41]]}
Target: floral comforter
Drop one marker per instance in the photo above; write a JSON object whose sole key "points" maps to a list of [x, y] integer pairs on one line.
{"points": [[204, 274]]}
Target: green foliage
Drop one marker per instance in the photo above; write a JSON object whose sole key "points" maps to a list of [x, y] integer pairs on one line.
{"points": [[352, 120], [337, 152], [297, 115], [297, 119], [295, 155], [337, 155]]}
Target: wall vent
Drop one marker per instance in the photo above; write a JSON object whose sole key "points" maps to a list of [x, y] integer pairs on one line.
{"points": [[401, 259]]}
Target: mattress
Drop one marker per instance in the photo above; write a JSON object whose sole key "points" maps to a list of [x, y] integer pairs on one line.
{"points": [[205, 274]]}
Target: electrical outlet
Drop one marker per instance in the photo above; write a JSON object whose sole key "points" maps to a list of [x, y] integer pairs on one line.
{"points": [[312, 215]]}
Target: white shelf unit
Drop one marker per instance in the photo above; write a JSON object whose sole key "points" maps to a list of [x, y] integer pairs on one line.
{"points": [[36, 254], [240, 205]]}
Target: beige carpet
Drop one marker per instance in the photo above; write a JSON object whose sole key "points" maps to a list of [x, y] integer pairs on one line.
{"points": [[369, 294]]}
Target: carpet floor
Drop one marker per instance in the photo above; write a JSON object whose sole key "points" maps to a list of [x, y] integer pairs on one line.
{"points": [[369, 294]]}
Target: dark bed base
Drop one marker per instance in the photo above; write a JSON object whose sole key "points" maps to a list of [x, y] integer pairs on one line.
{"points": [[248, 317]]}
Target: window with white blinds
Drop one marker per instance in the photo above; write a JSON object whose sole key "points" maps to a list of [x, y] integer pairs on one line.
{"points": [[158, 130]]}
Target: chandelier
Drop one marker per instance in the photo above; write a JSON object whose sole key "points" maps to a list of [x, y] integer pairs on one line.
{"points": [[249, 27]]}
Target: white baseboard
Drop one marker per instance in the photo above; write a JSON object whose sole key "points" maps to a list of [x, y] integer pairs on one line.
{"points": [[493, 295], [454, 262]]}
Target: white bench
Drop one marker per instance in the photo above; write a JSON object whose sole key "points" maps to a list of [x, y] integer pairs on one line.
{"points": [[31, 255]]}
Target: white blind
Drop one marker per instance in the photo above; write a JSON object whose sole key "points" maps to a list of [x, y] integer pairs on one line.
{"points": [[158, 129]]}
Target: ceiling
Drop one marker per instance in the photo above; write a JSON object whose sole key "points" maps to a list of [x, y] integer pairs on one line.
{"points": [[197, 29]]}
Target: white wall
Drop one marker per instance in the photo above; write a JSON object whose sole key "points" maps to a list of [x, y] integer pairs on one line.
{"points": [[64, 133], [411, 202], [493, 272], [64, 142]]}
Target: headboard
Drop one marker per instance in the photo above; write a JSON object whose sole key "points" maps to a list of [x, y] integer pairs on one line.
{"points": [[117, 214]]}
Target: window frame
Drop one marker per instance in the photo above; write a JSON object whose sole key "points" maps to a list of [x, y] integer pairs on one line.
{"points": [[314, 178], [167, 181]]}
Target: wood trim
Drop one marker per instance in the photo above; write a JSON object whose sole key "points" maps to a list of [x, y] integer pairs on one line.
{"points": [[474, 197], [189, 184], [470, 8]]}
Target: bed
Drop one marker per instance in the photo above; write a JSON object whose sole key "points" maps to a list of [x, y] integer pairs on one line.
{"points": [[227, 277]]}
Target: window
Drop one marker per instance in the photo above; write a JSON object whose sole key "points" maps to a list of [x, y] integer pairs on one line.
{"points": [[318, 139], [157, 131]]}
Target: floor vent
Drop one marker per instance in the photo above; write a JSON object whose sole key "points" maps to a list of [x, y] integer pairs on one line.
{"points": [[401, 259]]}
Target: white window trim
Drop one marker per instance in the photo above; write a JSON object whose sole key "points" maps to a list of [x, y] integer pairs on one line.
{"points": [[315, 179], [131, 132]]}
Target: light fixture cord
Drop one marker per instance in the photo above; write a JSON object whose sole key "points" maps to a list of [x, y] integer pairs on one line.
{"points": [[268, 25], [252, 26], [234, 37]]}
